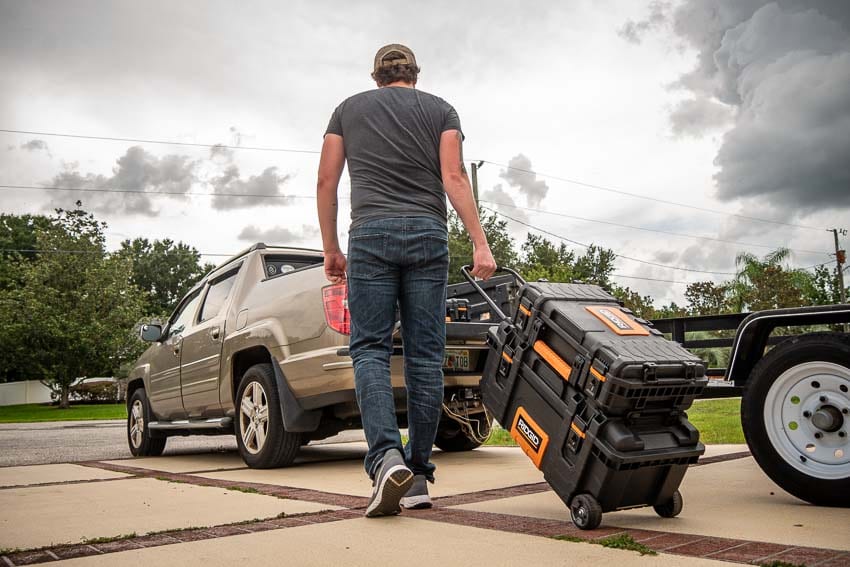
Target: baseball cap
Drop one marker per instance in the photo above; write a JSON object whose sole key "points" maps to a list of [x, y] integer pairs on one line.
{"points": [[394, 54]]}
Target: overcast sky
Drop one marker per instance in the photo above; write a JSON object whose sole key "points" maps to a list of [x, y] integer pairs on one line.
{"points": [[741, 106]]}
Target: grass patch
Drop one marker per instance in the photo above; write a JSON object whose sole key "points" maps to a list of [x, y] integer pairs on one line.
{"points": [[622, 541], [718, 421], [500, 437], [245, 489], [29, 413], [96, 540], [625, 541]]}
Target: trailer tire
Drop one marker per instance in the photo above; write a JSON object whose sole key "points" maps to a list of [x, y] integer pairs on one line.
{"points": [[795, 413], [453, 438]]}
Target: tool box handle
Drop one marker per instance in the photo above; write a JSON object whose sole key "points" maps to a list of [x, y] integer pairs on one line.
{"points": [[493, 306]]}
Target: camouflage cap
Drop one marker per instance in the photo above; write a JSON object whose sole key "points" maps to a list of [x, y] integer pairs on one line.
{"points": [[394, 54]]}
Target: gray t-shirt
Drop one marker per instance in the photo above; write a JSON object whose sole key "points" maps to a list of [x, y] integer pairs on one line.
{"points": [[392, 145]]}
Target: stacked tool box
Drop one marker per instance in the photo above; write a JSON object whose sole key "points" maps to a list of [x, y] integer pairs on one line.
{"points": [[596, 399]]}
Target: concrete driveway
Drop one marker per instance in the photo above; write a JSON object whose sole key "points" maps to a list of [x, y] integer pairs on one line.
{"points": [[492, 508]]}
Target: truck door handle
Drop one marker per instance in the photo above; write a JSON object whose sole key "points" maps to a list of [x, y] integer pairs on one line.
{"points": [[215, 333], [176, 350]]}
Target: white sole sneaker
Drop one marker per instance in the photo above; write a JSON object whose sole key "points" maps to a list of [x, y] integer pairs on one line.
{"points": [[416, 502], [388, 492]]}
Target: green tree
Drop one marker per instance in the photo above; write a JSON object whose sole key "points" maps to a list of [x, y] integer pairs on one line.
{"points": [[17, 235], [767, 283], [825, 289], [460, 246], [707, 298], [75, 309], [642, 305], [164, 269]]}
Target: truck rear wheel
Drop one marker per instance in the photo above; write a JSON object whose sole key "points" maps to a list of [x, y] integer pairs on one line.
{"points": [[795, 413], [453, 438], [262, 440]]}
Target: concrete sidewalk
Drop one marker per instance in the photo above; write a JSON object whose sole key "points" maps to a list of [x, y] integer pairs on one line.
{"points": [[492, 507]]}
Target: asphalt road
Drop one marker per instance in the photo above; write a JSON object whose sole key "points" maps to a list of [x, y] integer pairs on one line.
{"points": [[70, 441]]}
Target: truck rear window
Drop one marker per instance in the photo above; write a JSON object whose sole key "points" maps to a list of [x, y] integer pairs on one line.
{"points": [[276, 265]]}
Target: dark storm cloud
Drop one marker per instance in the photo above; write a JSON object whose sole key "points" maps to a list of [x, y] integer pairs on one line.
{"points": [[783, 71], [521, 176], [279, 234], [257, 190], [502, 201], [136, 170]]}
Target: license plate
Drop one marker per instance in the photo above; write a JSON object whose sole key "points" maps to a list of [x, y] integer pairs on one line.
{"points": [[457, 360]]}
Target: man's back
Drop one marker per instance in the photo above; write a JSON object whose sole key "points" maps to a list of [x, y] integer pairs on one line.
{"points": [[392, 145]]}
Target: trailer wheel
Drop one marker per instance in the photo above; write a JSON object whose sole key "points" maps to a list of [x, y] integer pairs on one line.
{"points": [[672, 507], [585, 512], [452, 437], [795, 413]]}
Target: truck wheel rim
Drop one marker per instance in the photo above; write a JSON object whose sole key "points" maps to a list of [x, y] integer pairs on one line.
{"points": [[137, 424], [807, 418], [254, 418]]}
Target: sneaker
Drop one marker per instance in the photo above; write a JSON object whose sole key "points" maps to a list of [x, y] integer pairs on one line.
{"points": [[393, 480], [417, 497]]}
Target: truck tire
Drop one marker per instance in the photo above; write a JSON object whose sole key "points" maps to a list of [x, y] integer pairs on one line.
{"points": [[795, 413], [262, 440], [453, 438], [142, 443]]}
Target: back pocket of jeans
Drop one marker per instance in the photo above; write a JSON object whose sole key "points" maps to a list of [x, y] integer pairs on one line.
{"points": [[367, 255], [437, 246]]}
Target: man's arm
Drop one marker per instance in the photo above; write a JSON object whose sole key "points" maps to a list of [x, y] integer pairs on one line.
{"points": [[459, 191], [330, 170]]}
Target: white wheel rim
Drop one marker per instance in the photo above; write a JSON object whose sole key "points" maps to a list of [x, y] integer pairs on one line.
{"points": [[254, 418], [797, 401], [137, 424]]}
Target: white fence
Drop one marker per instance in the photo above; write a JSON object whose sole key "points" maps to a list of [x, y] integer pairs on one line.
{"points": [[28, 392]]}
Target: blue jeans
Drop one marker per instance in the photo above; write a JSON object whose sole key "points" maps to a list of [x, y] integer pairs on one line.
{"points": [[398, 262]]}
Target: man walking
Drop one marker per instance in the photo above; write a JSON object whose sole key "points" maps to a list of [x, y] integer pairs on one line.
{"points": [[404, 154]]}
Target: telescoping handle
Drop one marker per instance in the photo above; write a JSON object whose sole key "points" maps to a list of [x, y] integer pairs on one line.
{"points": [[493, 305]]}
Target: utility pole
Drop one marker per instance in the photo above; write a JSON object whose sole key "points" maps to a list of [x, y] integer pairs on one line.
{"points": [[840, 259], [475, 168]]}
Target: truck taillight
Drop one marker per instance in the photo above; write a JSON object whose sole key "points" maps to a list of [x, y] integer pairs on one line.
{"points": [[335, 298]]}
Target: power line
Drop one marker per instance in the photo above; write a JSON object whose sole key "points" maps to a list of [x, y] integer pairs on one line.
{"points": [[698, 237], [315, 152], [58, 251], [165, 142], [558, 236], [156, 192], [648, 198]]}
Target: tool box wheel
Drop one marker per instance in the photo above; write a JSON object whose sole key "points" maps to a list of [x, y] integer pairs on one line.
{"points": [[671, 508], [585, 512]]}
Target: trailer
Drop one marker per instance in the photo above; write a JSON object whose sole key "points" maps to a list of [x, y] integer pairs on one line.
{"points": [[795, 405]]}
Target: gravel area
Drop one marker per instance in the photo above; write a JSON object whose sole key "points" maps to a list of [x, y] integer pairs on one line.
{"points": [[70, 441]]}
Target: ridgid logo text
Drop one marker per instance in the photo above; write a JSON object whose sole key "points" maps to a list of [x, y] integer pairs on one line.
{"points": [[531, 436]]}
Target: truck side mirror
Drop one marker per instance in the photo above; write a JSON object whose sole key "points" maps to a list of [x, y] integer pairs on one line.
{"points": [[150, 332]]}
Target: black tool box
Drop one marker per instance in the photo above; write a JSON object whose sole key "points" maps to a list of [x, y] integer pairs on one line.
{"points": [[595, 397]]}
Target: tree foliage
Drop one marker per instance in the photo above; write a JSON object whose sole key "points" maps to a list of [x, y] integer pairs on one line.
{"points": [[165, 270], [17, 240], [74, 312]]}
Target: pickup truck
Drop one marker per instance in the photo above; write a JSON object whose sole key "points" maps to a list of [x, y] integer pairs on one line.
{"points": [[259, 348]]}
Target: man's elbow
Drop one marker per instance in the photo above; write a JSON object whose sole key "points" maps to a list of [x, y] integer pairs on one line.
{"points": [[454, 179]]}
